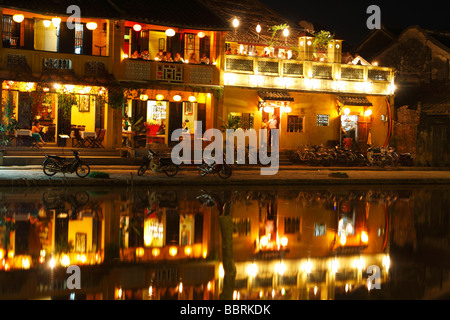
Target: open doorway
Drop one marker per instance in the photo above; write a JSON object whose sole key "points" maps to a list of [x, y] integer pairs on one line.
{"points": [[349, 131]]}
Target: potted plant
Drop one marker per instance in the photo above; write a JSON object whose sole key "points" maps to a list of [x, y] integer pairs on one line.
{"points": [[321, 41]]}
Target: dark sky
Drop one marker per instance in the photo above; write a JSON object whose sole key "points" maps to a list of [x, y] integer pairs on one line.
{"points": [[347, 19]]}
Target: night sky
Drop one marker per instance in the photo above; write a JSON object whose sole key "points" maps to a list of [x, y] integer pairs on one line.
{"points": [[347, 19]]}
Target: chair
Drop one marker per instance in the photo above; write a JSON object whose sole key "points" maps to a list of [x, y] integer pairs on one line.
{"points": [[97, 142], [80, 141], [82, 128], [35, 140]]}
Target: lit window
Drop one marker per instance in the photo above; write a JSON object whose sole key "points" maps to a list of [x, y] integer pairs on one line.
{"points": [[323, 120], [294, 123]]}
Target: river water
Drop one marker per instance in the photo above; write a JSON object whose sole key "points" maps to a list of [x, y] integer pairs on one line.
{"points": [[293, 243]]}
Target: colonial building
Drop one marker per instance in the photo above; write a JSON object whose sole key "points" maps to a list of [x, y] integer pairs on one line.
{"points": [[87, 66], [273, 67]]}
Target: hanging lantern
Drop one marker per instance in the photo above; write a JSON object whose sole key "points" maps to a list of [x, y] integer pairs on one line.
{"points": [[287, 109], [258, 28], [47, 23], [170, 32], [143, 97], [368, 113], [91, 25], [235, 22], [159, 97], [56, 22], [286, 32], [177, 98], [192, 99], [347, 111], [18, 18], [268, 110], [137, 27], [201, 34]]}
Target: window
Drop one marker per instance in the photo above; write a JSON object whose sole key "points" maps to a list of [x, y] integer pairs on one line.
{"points": [[241, 227], [323, 120], [291, 225], [319, 229], [294, 124], [78, 38]]}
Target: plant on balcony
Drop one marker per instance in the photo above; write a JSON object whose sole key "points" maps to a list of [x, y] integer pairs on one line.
{"points": [[275, 29], [320, 44]]}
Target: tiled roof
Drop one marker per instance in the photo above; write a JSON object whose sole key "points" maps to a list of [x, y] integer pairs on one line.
{"points": [[354, 101], [173, 13], [275, 95], [250, 13]]}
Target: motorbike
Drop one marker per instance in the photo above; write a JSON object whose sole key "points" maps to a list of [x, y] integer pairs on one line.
{"points": [[54, 164], [223, 170], [158, 164]]}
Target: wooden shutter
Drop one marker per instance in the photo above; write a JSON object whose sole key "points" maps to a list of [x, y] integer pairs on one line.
{"points": [[28, 34], [87, 40], [66, 43]]}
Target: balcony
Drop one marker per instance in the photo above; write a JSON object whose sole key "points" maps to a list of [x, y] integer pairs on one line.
{"points": [[174, 73], [38, 62], [247, 71]]}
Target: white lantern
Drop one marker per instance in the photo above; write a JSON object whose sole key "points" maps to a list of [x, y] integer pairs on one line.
{"points": [[56, 22], [47, 23], [18, 18], [170, 32], [91, 25]]}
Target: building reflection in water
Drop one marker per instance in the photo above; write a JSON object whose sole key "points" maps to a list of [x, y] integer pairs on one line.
{"points": [[166, 244]]}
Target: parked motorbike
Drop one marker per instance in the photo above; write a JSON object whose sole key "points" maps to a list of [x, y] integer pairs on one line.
{"points": [[158, 164], [54, 164], [223, 170]]}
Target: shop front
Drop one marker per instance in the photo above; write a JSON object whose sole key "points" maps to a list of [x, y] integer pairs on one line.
{"points": [[61, 114]]}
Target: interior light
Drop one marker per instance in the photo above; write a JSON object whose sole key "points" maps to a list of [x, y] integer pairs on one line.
{"points": [[287, 109], [170, 32], [192, 99], [47, 23], [346, 111], [137, 27], [368, 113], [201, 34], [177, 98], [159, 97], [91, 25], [18, 18], [56, 22]]}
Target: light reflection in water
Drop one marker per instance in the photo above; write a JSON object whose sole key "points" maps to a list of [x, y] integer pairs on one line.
{"points": [[167, 244]]}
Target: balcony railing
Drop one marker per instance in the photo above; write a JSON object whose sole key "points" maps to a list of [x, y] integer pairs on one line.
{"points": [[167, 72], [38, 61], [306, 75]]}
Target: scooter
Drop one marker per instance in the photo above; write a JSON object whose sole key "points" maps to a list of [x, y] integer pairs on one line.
{"points": [[54, 164], [158, 164], [223, 170]]}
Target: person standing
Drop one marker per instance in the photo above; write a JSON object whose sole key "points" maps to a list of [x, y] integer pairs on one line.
{"points": [[272, 124]]}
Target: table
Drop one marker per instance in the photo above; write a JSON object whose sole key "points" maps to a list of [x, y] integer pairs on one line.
{"points": [[22, 135], [89, 137]]}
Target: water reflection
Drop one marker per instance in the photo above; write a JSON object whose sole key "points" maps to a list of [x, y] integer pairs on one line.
{"points": [[186, 243]]}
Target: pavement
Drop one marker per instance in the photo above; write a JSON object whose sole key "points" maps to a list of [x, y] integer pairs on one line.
{"points": [[26, 176]]}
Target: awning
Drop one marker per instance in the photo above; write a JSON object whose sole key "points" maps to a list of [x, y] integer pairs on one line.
{"points": [[354, 101], [275, 96]]}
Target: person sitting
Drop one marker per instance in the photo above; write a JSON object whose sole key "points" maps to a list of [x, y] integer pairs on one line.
{"points": [[159, 56], [193, 58], [168, 57], [135, 55], [204, 59], [36, 130], [178, 58], [162, 129], [185, 126], [145, 55], [235, 52], [228, 51]]}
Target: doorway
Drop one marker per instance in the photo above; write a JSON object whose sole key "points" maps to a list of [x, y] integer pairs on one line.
{"points": [[349, 131]]}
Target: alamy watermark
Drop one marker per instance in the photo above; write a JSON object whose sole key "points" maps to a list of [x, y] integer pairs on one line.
{"points": [[214, 152], [374, 21]]}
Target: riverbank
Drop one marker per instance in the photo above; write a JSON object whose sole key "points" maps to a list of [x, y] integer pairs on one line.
{"points": [[126, 176]]}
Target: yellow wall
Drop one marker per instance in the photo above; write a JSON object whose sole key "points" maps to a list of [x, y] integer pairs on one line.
{"points": [[85, 118], [308, 105]]}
